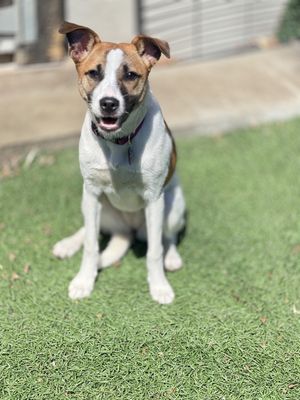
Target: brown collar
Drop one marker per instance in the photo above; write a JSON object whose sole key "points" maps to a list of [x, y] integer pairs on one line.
{"points": [[121, 140]]}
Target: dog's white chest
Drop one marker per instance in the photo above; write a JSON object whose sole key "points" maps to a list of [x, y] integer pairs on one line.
{"points": [[121, 183], [131, 175]]}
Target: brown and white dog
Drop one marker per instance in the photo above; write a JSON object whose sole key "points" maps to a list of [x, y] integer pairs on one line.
{"points": [[127, 160]]}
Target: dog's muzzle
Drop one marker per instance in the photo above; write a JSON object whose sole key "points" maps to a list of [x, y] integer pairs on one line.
{"points": [[109, 120]]}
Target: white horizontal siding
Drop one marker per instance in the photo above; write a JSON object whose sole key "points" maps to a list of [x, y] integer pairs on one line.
{"points": [[8, 29], [8, 20], [206, 28]]}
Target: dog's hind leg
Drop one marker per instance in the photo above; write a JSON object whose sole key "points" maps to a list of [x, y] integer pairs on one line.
{"points": [[172, 259], [68, 246], [117, 247], [174, 222]]}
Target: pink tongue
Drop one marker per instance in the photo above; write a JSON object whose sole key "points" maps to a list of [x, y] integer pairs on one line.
{"points": [[109, 123]]}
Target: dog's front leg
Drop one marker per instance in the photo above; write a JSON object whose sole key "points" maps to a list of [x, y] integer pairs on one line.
{"points": [[160, 289], [83, 283]]}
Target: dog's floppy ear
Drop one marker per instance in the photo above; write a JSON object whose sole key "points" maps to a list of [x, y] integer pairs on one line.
{"points": [[81, 40], [150, 49]]}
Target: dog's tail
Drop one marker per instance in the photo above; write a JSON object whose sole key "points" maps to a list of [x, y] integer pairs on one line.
{"points": [[115, 250]]}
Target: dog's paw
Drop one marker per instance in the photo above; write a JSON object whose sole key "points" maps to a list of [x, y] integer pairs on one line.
{"points": [[173, 261], [80, 287], [162, 293], [66, 248]]}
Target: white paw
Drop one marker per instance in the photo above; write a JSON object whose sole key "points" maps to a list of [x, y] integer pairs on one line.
{"points": [[173, 261], [66, 248], [81, 286], [162, 293]]}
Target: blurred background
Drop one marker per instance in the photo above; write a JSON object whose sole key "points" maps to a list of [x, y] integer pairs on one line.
{"points": [[196, 29], [234, 63]]}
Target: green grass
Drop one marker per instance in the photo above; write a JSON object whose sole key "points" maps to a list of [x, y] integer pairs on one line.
{"points": [[289, 26], [231, 332]]}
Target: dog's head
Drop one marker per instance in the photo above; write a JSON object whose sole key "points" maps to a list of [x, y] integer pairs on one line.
{"points": [[112, 77]]}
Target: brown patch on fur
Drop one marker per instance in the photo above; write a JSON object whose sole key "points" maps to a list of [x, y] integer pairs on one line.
{"points": [[80, 38], [134, 63], [89, 52], [150, 49], [173, 157], [98, 56], [95, 58]]}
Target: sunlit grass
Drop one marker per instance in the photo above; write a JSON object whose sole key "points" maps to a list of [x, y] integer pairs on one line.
{"points": [[233, 330]]}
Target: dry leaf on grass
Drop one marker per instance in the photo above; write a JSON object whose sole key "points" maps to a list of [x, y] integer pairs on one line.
{"points": [[46, 160], [263, 319], [15, 276], [26, 268], [293, 385], [10, 167]]}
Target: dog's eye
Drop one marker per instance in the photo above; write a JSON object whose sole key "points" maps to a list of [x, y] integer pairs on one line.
{"points": [[94, 74], [131, 76]]}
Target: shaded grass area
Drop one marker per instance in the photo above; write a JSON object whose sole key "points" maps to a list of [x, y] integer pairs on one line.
{"points": [[233, 330]]}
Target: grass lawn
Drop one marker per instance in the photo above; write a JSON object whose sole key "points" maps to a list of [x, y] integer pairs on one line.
{"points": [[233, 331]]}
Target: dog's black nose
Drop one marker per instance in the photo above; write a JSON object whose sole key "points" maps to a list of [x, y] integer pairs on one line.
{"points": [[109, 104]]}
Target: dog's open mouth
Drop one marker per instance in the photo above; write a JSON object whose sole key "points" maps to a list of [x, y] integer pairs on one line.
{"points": [[109, 123]]}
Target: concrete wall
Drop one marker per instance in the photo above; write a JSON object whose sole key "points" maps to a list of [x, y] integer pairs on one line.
{"points": [[113, 20]]}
